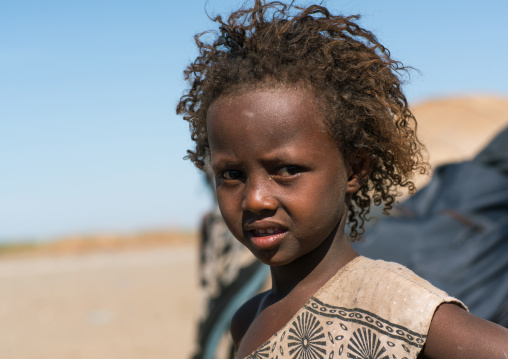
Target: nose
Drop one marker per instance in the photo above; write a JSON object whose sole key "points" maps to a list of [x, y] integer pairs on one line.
{"points": [[258, 196]]}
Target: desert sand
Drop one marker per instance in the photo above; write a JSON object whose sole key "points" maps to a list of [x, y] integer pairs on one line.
{"points": [[129, 304], [103, 298], [455, 129]]}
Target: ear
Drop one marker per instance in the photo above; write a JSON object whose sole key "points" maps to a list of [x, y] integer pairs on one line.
{"points": [[358, 173]]}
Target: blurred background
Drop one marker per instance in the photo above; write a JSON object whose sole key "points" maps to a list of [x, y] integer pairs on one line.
{"points": [[98, 210]]}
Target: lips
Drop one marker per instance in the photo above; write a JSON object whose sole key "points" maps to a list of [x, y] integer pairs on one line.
{"points": [[266, 235], [268, 241], [267, 232]]}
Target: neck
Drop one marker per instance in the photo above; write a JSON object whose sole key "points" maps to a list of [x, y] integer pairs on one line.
{"points": [[310, 272]]}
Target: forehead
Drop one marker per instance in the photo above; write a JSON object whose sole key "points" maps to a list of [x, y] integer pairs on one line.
{"points": [[265, 119], [271, 108]]}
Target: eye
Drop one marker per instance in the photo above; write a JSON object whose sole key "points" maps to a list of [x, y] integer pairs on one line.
{"points": [[288, 171], [232, 175]]}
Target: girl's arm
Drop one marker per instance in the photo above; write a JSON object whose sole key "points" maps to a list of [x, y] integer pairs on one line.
{"points": [[456, 334]]}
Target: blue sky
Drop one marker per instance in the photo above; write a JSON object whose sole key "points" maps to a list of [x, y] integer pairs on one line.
{"points": [[89, 138]]}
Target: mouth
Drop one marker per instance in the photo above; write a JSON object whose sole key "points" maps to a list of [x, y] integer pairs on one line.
{"points": [[267, 238], [266, 232]]}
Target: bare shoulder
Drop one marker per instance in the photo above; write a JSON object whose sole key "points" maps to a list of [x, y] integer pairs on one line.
{"points": [[244, 317], [455, 333]]}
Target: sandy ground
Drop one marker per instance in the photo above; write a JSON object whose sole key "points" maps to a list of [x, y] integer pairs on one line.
{"points": [[130, 304], [456, 129]]}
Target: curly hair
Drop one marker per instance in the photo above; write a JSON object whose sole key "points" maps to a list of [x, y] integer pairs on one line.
{"points": [[367, 113]]}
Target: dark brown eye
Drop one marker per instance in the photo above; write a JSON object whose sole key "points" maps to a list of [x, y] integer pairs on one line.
{"points": [[287, 171], [232, 175]]}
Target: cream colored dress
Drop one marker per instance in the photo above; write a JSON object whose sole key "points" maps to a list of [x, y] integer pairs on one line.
{"points": [[368, 310]]}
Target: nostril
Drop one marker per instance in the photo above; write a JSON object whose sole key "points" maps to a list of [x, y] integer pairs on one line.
{"points": [[260, 203]]}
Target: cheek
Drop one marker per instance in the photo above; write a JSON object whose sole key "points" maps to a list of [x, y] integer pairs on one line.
{"points": [[230, 213], [329, 202]]}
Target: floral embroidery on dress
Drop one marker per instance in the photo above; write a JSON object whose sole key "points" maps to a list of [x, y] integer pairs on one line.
{"points": [[365, 345], [306, 338]]}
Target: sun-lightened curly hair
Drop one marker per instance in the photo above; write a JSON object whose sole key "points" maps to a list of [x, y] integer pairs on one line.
{"points": [[357, 83]]}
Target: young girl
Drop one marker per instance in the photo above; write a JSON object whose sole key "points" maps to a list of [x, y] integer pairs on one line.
{"points": [[301, 117]]}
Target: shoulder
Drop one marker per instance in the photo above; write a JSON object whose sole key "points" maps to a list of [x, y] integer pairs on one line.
{"points": [[243, 318], [387, 290], [391, 278], [388, 278]]}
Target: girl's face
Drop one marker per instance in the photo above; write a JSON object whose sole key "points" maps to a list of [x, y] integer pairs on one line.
{"points": [[282, 184]]}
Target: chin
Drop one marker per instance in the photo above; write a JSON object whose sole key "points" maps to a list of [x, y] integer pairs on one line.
{"points": [[272, 258], [266, 258]]}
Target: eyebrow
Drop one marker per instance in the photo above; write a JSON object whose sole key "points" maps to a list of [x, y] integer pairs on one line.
{"points": [[278, 155], [224, 160]]}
